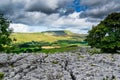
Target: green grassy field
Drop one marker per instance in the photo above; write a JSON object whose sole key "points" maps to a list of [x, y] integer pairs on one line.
{"points": [[28, 37], [57, 50], [47, 42]]}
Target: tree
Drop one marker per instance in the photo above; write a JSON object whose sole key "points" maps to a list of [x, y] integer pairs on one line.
{"points": [[106, 35], [5, 32]]}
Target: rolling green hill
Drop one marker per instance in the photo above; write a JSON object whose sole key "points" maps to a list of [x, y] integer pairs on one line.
{"points": [[47, 36], [47, 42]]}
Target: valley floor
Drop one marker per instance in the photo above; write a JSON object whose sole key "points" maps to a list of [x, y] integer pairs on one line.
{"points": [[75, 65]]}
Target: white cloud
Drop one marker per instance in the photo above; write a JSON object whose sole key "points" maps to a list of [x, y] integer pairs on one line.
{"points": [[25, 28], [74, 15], [54, 21], [72, 20], [19, 27]]}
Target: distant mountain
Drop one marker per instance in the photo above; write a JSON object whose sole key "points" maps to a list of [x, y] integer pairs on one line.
{"points": [[58, 32]]}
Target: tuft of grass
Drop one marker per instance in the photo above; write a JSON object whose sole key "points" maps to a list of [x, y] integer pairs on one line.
{"points": [[55, 62], [107, 78], [1, 75], [80, 56], [93, 64]]}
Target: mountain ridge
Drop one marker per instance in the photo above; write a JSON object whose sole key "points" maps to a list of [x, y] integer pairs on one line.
{"points": [[58, 32]]}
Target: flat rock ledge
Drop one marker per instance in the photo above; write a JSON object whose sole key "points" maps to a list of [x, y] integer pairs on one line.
{"points": [[74, 65]]}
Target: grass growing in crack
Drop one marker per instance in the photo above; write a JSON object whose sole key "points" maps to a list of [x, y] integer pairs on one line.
{"points": [[80, 56], [112, 78], [1, 75], [93, 64], [55, 62]]}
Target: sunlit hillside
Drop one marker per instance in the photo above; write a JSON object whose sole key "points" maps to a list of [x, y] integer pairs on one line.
{"points": [[27, 37], [46, 37]]}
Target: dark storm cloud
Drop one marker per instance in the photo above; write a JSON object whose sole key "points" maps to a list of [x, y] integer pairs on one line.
{"points": [[5, 7], [98, 9], [42, 6], [11, 6], [48, 6], [35, 11], [93, 3]]}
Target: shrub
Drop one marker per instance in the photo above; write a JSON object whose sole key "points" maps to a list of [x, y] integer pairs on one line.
{"points": [[5, 32], [106, 35], [27, 47]]}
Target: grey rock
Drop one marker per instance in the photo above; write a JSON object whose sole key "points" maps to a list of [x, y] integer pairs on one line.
{"points": [[75, 65], [3, 58]]}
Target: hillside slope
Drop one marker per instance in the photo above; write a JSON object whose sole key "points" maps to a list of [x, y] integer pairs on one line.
{"points": [[48, 36], [27, 37]]}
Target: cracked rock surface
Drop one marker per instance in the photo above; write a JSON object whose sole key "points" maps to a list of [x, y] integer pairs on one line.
{"points": [[75, 65]]}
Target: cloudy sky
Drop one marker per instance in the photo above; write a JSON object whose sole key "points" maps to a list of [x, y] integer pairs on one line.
{"points": [[43, 15]]}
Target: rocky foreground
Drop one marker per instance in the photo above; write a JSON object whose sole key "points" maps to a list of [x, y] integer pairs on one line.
{"points": [[75, 65]]}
